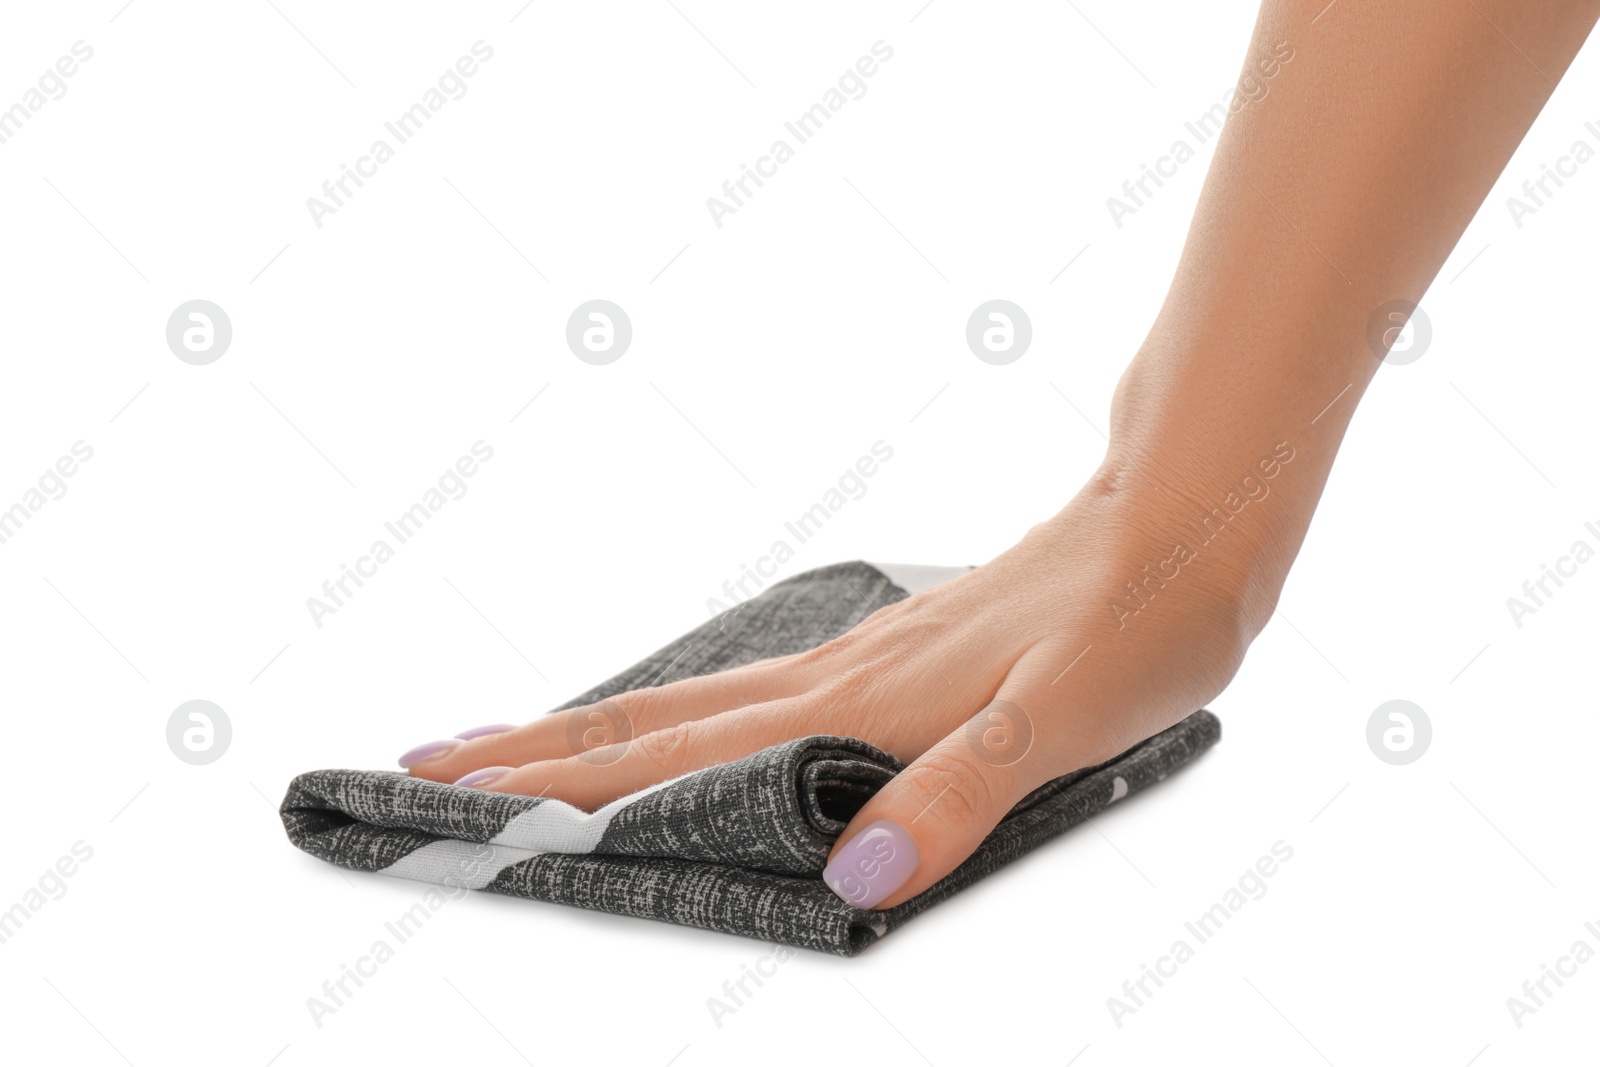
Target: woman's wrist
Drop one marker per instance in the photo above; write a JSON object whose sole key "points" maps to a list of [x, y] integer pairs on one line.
{"points": [[1224, 451], [1173, 533]]}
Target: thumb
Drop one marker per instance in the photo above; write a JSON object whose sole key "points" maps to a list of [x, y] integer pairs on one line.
{"points": [[933, 815]]}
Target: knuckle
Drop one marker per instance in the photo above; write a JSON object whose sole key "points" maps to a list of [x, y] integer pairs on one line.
{"points": [[666, 750], [599, 725], [882, 614], [950, 790], [850, 689], [1001, 734], [665, 691], [628, 706], [829, 651]]}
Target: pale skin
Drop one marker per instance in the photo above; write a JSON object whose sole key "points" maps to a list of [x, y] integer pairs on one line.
{"points": [[1345, 187]]}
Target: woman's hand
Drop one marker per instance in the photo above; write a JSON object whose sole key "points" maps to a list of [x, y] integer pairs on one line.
{"points": [[1134, 605], [988, 686]]}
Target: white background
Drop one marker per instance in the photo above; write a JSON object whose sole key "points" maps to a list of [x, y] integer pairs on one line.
{"points": [[827, 314]]}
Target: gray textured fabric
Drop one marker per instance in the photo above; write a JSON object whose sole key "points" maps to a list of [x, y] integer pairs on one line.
{"points": [[738, 847]]}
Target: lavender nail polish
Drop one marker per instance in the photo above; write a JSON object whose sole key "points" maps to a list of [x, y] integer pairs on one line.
{"points": [[481, 778], [484, 731], [426, 752], [875, 863]]}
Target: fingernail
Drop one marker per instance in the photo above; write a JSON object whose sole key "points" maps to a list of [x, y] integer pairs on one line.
{"points": [[481, 778], [875, 863], [426, 752], [484, 731]]}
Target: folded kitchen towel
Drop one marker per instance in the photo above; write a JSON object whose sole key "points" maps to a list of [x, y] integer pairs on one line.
{"points": [[738, 847]]}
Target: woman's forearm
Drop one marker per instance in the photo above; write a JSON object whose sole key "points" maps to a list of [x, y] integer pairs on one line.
{"points": [[1339, 191]]}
